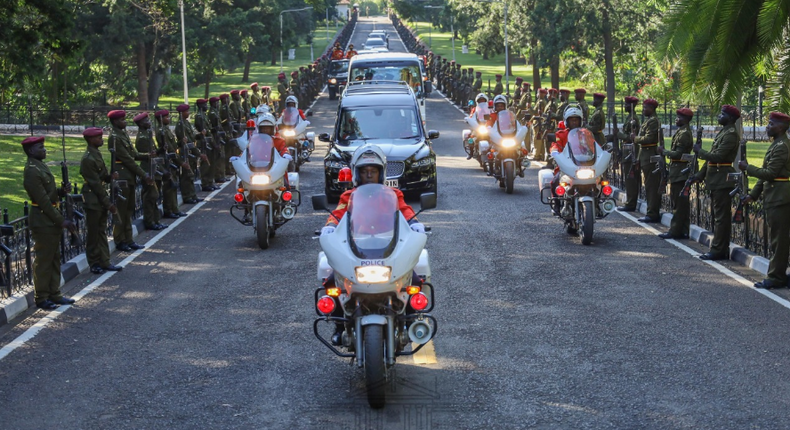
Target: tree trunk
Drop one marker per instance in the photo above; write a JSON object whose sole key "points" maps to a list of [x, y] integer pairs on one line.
{"points": [[155, 87], [142, 77], [53, 95], [554, 66], [535, 69], [608, 53], [274, 57], [209, 68], [247, 63]]}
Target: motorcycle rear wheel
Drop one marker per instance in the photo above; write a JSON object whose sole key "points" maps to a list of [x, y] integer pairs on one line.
{"points": [[510, 176], [262, 226], [587, 221], [375, 369]]}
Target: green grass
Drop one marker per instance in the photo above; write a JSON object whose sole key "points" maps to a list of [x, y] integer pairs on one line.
{"points": [[260, 72]]}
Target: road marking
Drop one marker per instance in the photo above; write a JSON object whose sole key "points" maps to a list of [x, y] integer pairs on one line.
{"points": [[427, 355], [31, 332], [725, 271]]}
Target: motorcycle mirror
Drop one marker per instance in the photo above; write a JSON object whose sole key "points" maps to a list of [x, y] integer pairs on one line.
{"points": [[551, 137], [427, 201], [324, 137], [433, 134], [309, 113], [6, 230], [320, 202]]}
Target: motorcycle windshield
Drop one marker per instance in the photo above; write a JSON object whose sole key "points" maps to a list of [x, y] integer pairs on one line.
{"points": [[260, 152], [582, 146], [506, 122], [481, 111], [373, 221], [291, 116]]}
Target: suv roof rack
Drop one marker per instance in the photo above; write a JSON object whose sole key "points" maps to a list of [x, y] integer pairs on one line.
{"points": [[377, 86]]}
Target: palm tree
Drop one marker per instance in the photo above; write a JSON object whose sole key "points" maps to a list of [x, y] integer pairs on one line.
{"points": [[721, 44]]}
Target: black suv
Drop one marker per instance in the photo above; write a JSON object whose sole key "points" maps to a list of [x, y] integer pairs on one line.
{"points": [[385, 114], [337, 77]]}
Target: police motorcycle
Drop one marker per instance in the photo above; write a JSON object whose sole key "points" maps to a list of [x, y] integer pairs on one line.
{"points": [[267, 194], [380, 293], [504, 150], [293, 129], [478, 130], [580, 196]]}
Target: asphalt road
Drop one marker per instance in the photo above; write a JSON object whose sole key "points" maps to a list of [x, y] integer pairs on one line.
{"points": [[205, 330]]}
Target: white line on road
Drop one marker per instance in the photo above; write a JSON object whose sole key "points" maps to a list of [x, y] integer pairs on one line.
{"points": [[43, 322]]}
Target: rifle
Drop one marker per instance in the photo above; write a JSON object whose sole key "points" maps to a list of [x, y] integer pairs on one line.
{"points": [[616, 143], [662, 163], [691, 168], [632, 156], [115, 185], [185, 154], [67, 205], [741, 186]]}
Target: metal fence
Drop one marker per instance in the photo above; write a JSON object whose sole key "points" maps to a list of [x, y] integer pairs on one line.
{"points": [[20, 119]]}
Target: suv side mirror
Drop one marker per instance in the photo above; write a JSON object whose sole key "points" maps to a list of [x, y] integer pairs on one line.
{"points": [[433, 134], [320, 202], [324, 137], [427, 201]]}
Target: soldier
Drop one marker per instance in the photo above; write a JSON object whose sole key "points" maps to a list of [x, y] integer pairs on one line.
{"points": [[633, 174], [226, 119], [146, 147], [477, 88], [255, 98], [129, 171], [218, 135], [516, 94], [564, 102], [294, 85], [773, 185], [524, 103], [97, 203], [682, 142], [538, 128], [208, 146], [470, 81], [186, 136], [550, 113], [46, 224], [718, 165], [282, 89], [462, 91], [580, 94], [647, 139], [167, 144], [235, 109], [245, 105], [598, 119], [498, 88]]}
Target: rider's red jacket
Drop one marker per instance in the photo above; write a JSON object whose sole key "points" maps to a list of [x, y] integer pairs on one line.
{"points": [[342, 207]]}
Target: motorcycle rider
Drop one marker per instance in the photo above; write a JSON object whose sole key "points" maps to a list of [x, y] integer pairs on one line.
{"points": [[482, 106], [292, 102], [368, 166], [573, 119], [266, 125], [500, 104], [351, 52]]}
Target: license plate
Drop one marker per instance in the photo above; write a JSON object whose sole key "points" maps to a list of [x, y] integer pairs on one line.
{"points": [[391, 183]]}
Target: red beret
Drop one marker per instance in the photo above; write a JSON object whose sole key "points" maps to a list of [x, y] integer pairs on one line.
{"points": [[183, 107], [234, 92], [213, 99], [779, 116], [163, 112], [564, 91], [223, 96], [201, 101], [253, 85], [32, 140], [93, 131], [243, 92], [266, 87], [580, 91], [498, 76], [631, 99], [115, 114], [599, 96], [685, 112], [553, 90], [519, 79], [294, 73], [281, 76], [731, 111], [543, 91], [526, 84], [139, 117], [650, 102]]}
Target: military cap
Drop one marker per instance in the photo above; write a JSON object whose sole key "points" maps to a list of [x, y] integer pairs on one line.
{"points": [[223, 96], [731, 111], [266, 87], [213, 99], [779, 116], [685, 112], [243, 92], [471, 69], [553, 91], [519, 79], [94, 131], [139, 117], [599, 96], [543, 91], [115, 114], [452, 62], [294, 73], [163, 112], [183, 107], [234, 92], [650, 102], [201, 102], [301, 68], [631, 99], [580, 91], [479, 73], [281, 76], [254, 85], [32, 140], [525, 85], [498, 76]]}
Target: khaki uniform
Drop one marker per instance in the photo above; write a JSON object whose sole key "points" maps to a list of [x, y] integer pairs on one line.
{"points": [[218, 159], [46, 226], [718, 164], [187, 180], [682, 142], [96, 205], [539, 150], [774, 187], [632, 184], [255, 100], [647, 139], [144, 143], [597, 124], [167, 143], [128, 170], [202, 124]]}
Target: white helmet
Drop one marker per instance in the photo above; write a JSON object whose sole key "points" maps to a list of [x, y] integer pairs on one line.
{"points": [[500, 99], [572, 110], [481, 96], [368, 155], [291, 99], [266, 119]]}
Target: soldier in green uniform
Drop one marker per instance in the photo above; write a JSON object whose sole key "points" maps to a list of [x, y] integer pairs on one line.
{"points": [[718, 165], [167, 145], [255, 98], [580, 94], [266, 97], [226, 119], [477, 87], [564, 102], [245, 105], [46, 224], [187, 136], [97, 203], [550, 113], [598, 119], [516, 95], [146, 147], [294, 86], [217, 133], [538, 149], [774, 187], [633, 174], [129, 171], [682, 142], [498, 87], [524, 104], [647, 139], [207, 146], [282, 90]]}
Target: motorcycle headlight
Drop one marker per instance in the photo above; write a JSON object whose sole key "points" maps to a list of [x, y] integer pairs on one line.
{"points": [[333, 164], [260, 179], [333, 81], [508, 143], [585, 173], [482, 130], [373, 274], [423, 162], [289, 133]]}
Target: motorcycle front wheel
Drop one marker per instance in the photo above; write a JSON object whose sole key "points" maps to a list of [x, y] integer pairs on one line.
{"points": [[375, 369], [262, 226], [587, 221], [510, 176]]}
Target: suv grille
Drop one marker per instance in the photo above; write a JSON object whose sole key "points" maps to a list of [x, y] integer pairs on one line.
{"points": [[395, 169]]}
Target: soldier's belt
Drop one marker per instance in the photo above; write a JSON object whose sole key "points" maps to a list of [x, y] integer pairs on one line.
{"points": [[36, 204], [781, 179], [648, 146], [719, 164]]}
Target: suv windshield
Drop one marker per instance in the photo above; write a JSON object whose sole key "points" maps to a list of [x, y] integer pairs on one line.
{"points": [[409, 73], [338, 67], [374, 41], [399, 123]]}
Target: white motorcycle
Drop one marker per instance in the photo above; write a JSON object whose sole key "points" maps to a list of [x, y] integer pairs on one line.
{"points": [[580, 196], [293, 128], [374, 257], [267, 194], [506, 154], [478, 131]]}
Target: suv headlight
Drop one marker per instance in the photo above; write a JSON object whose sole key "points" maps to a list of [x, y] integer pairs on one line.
{"points": [[333, 81], [508, 143], [427, 161], [585, 173]]}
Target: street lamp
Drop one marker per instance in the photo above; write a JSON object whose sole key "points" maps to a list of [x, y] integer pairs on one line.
{"points": [[452, 31], [281, 31], [507, 59], [184, 52]]}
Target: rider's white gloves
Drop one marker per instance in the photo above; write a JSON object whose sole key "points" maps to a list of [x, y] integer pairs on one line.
{"points": [[329, 229], [417, 226], [287, 156]]}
